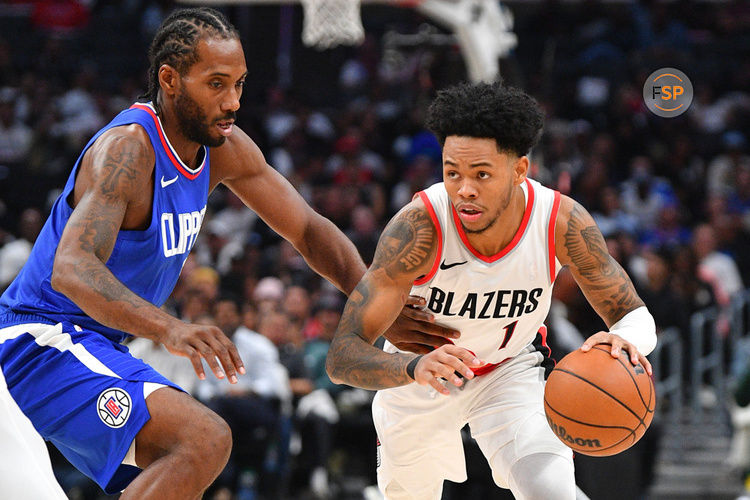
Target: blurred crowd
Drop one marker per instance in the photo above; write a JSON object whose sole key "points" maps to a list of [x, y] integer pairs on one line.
{"points": [[671, 196]]}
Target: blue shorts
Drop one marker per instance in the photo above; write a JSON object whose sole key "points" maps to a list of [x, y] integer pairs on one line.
{"points": [[82, 392]]}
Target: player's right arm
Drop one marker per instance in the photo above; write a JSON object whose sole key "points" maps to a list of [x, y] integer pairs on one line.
{"points": [[108, 196], [405, 251]]}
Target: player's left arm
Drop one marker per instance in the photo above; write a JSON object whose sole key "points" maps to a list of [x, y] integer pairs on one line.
{"points": [[579, 244], [241, 166]]}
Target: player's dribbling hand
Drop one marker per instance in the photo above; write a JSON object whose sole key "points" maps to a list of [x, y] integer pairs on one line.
{"points": [[206, 342], [618, 344], [444, 362], [415, 330]]}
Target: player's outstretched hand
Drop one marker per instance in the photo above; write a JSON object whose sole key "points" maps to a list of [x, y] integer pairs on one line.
{"points": [[415, 330], [618, 344], [209, 343], [444, 362]]}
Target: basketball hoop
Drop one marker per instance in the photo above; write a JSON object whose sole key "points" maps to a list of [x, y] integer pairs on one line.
{"points": [[328, 23], [482, 28]]}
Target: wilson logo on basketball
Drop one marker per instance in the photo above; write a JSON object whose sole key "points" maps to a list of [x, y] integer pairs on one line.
{"points": [[563, 434]]}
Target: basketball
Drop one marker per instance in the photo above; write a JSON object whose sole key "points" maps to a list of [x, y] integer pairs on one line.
{"points": [[599, 405]]}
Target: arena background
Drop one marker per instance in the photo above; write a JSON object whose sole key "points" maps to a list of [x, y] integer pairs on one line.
{"points": [[671, 195]]}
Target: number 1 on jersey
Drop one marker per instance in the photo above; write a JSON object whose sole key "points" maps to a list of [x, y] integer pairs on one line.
{"points": [[509, 329]]}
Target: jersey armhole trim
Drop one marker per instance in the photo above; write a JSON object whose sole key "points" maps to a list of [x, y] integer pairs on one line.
{"points": [[551, 237], [431, 210]]}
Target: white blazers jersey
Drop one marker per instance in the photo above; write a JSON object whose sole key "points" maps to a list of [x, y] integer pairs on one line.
{"points": [[497, 302]]}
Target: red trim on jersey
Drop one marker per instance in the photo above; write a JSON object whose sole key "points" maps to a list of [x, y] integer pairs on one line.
{"points": [[551, 236], [487, 368], [542, 332], [431, 210], [513, 242], [166, 147]]}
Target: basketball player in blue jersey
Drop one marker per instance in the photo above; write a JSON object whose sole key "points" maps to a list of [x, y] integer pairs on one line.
{"points": [[483, 248], [109, 256]]}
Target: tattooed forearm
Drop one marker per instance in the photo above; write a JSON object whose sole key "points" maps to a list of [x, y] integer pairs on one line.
{"points": [[407, 243], [604, 282], [352, 359], [354, 362], [105, 284]]}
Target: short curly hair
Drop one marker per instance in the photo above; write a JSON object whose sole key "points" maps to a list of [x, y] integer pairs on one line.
{"points": [[487, 110]]}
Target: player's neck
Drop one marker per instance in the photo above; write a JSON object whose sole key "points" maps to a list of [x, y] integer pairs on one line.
{"points": [[186, 149], [501, 233]]}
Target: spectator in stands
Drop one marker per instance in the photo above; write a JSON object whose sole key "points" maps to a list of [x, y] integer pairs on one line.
{"points": [[722, 169], [669, 230], [610, 218], [715, 267], [13, 255], [364, 232], [15, 136], [659, 294], [253, 406], [327, 313], [267, 295], [643, 195], [695, 293]]}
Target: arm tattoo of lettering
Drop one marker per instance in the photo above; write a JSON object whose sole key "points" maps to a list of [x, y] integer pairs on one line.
{"points": [[356, 361], [406, 243], [602, 279]]}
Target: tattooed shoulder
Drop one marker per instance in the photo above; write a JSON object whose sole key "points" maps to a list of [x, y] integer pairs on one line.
{"points": [[119, 163], [407, 245]]}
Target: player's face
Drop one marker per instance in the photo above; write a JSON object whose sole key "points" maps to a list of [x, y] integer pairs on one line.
{"points": [[209, 96], [479, 180]]}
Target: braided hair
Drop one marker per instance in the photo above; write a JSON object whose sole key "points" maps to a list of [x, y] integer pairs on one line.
{"points": [[176, 41]]}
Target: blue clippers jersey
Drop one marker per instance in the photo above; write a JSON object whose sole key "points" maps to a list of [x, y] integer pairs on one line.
{"points": [[147, 262]]}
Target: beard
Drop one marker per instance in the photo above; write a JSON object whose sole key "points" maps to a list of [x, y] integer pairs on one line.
{"points": [[500, 211], [193, 121], [485, 228]]}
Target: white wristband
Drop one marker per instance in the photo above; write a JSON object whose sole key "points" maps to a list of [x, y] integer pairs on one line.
{"points": [[638, 328]]}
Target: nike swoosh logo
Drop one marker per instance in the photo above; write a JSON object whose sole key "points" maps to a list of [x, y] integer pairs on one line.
{"points": [[170, 181], [445, 266]]}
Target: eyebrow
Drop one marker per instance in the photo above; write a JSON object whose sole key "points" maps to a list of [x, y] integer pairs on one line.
{"points": [[473, 165], [226, 75]]}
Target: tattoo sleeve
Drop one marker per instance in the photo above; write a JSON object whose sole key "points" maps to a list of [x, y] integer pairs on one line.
{"points": [[116, 172], [604, 282], [405, 251]]}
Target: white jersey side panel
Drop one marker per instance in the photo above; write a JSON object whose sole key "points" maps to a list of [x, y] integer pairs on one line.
{"points": [[498, 302]]}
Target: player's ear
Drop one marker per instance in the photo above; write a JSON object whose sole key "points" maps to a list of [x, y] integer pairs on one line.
{"points": [[520, 169], [168, 77]]}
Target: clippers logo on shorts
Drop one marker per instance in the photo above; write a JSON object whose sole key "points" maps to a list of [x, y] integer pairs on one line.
{"points": [[377, 450], [113, 406]]}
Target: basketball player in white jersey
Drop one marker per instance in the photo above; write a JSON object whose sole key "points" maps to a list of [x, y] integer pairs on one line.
{"points": [[483, 248]]}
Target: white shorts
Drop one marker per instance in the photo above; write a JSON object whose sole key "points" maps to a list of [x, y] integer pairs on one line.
{"points": [[419, 429], [25, 469]]}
